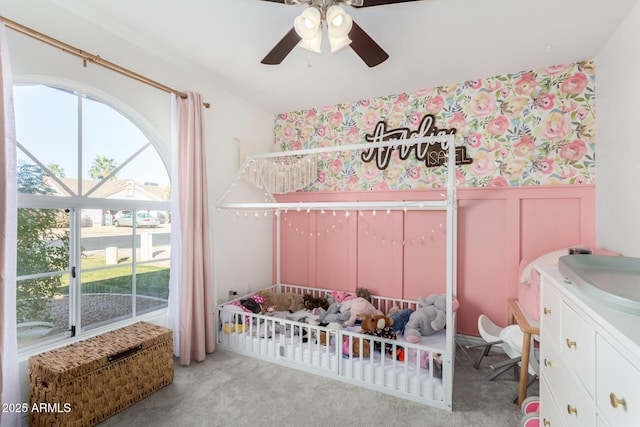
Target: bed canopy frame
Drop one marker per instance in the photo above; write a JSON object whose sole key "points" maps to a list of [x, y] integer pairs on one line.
{"points": [[448, 204]]}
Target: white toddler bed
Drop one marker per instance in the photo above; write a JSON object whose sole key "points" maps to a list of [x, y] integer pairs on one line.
{"points": [[275, 338]]}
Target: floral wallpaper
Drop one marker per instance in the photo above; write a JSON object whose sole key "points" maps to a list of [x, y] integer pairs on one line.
{"points": [[528, 128]]}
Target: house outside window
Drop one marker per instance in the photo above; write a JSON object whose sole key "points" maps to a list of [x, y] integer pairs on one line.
{"points": [[93, 215]]}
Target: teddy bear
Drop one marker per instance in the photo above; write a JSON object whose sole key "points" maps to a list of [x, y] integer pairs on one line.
{"points": [[358, 307], [352, 348], [310, 302], [428, 319], [286, 301], [379, 326]]}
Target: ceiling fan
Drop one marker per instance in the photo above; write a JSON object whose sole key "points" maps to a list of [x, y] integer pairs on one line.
{"points": [[342, 31]]}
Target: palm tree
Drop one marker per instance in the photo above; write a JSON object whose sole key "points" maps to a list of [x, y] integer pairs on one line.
{"points": [[101, 167], [56, 170]]}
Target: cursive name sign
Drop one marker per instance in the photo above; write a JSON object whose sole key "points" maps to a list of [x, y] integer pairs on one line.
{"points": [[431, 153]]}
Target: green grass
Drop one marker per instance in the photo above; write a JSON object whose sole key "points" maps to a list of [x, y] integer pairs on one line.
{"points": [[151, 280]]}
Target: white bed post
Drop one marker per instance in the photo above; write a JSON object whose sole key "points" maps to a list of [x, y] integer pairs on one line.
{"points": [[278, 241], [451, 270]]}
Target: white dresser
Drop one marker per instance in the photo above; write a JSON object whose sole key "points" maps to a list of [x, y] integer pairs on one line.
{"points": [[589, 359]]}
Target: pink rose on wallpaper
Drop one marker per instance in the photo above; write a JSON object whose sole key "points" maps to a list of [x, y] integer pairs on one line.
{"points": [[288, 131], [545, 101], [526, 84], [483, 164], [461, 179], [505, 91], [458, 121], [491, 145], [513, 169], [370, 119], [554, 70], [353, 136], [297, 145], [364, 103], [415, 118], [574, 84], [494, 85], [499, 181], [370, 172], [574, 150], [327, 108], [544, 165], [582, 113], [513, 107], [568, 106], [567, 171], [524, 147], [311, 118], [434, 105], [474, 84], [401, 104], [498, 125], [335, 119], [321, 131], [556, 126], [351, 183], [580, 179], [381, 186], [335, 167], [473, 140], [422, 92], [414, 172], [483, 104], [504, 153], [322, 177]]}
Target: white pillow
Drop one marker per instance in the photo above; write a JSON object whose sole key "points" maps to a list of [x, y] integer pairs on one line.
{"points": [[550, 258]]}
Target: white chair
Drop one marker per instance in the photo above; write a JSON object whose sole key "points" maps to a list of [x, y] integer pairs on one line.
{"points": [[509, 339]]}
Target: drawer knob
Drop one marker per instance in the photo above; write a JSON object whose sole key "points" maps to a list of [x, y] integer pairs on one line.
{"points": [[616, 401], [547, 362], [572, 410], [546, 422], [547, 310], [571, 343]]}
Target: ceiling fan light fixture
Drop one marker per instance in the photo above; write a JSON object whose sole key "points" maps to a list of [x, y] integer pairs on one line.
{"points": [[309, 24], [339, 24]]}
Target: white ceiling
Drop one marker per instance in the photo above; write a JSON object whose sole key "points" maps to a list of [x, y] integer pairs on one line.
{"points": [[430, 43]]}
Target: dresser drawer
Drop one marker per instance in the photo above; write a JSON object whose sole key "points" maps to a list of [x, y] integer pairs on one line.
{"points": [[575, 406], [578, 346], [618, 395], [550, 310], [549, 413]]}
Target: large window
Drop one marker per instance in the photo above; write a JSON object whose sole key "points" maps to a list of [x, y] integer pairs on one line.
{"points": [[93, 215]]}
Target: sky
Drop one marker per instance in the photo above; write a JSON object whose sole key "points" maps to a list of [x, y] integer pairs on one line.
{"points": [[47, 126]]}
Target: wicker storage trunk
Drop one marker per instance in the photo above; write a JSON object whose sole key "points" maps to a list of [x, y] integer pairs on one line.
{"points": [[85, 382]]}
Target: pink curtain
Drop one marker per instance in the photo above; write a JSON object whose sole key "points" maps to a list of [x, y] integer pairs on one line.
{"points": [[191, 288], [9, 381]]}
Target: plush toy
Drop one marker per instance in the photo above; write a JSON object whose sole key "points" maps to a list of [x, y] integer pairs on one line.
{"points": [[363, 293], [410, 355], [323, 335], [349, 349], [379, 326], [400, 319], [358, 307], [428, 319], [339, 296], [333, 315], [310, 302], [286, 301]]}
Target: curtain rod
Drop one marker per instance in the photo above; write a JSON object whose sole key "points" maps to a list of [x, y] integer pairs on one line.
{"points": [[85, 56]]}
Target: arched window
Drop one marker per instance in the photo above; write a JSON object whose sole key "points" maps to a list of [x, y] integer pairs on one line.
{"points": [[93, 215]]}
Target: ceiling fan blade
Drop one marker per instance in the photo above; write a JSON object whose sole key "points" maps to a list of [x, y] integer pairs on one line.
{"points": [[285, 1], [282, 48], [366, 48], [368, 3]]}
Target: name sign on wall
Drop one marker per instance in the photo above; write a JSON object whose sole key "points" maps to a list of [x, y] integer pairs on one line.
{"points": [[431, 153]]}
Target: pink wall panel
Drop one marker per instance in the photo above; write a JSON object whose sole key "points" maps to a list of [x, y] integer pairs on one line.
{"points": [[481, 261], [424, 253], [336, 251], [550, 224], [380, 240], [297, 248]]}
